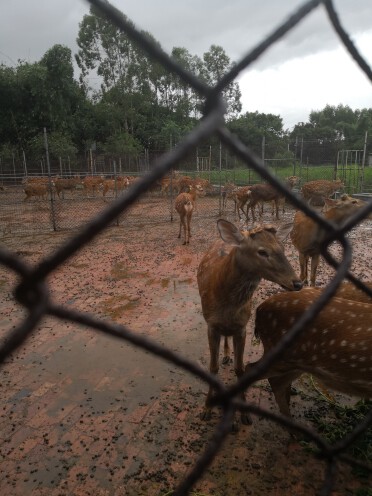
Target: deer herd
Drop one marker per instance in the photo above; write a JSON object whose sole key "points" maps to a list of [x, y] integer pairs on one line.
{"points": [[336, 347]]}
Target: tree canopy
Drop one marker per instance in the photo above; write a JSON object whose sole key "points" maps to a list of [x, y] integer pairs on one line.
{"points": [[138, 104]]}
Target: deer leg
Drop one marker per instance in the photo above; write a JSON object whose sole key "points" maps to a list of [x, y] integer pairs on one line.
{"points": [[303, 267], [277, 208], [240, 209], [314, 267], [239, 344], [252, 206], [181, 222], [185, 230], [189, 225], [226, 351], [281, 387], [214, 339]]}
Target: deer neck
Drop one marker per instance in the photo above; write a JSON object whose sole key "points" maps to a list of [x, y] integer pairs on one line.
{"points": [[192, 193], [238, 282]]}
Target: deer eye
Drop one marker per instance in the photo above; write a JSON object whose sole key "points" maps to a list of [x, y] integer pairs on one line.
{"points": [[263, 253]]}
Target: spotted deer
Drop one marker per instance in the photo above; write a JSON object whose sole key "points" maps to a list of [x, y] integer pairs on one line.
{"points": [[227, 192], [185, 206], [314, 192], [241, 196], [91, 184], [336, 347], [348, 291], [115, 185], [227, 277], [66, 184], [307, 235]]}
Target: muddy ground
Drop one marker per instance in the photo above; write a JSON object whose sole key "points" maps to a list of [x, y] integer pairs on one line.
{"points": [[86, 414]]}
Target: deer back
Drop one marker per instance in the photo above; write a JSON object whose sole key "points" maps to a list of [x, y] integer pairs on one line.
{"points": [[336, 347]]}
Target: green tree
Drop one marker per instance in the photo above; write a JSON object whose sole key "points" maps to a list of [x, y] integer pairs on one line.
{"points": [[216, 63], [251, 127], [331, 129]]}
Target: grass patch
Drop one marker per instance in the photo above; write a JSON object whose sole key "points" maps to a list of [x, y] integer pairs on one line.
{"points": [[244, 176], [334, 422]]}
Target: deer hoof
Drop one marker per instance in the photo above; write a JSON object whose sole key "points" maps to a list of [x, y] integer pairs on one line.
{"points": [[235, 426], [226, 360], [246, 418], [206, 415]]}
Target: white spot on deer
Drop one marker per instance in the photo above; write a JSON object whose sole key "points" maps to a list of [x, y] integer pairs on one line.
{"points": [[333, 356], [343, 342]]}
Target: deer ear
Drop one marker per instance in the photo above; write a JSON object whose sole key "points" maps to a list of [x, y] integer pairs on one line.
{"points": [[229, 232]]}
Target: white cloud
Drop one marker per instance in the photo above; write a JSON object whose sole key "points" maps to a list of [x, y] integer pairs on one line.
{"points": [[304, 71], [295, 88]]}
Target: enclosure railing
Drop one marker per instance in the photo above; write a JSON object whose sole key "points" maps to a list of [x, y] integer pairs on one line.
{"points": [[32, 290]]}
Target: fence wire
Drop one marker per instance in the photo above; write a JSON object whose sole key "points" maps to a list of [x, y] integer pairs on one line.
{"points": [[32, 291]]}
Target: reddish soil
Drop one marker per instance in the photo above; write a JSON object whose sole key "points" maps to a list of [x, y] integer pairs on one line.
{"points": [[85, 414]]}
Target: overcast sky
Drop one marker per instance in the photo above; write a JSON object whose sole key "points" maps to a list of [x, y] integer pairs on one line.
{"points": [[304, 72]]}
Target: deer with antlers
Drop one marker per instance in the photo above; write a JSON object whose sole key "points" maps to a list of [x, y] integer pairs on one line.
{"points": [[227, 276]]}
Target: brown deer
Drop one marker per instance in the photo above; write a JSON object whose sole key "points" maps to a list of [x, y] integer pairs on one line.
{"points": [[241, 196], [185, 206], [307, 236], [336, 347], [227, 192], [115, 186], [66, 184], [261, 193], [314, 192], [228, 275], [38, 190], [91, 184]]}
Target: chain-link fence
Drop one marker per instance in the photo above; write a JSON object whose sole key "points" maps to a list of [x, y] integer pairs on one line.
{"points": [[68, 203], [32, 290]]}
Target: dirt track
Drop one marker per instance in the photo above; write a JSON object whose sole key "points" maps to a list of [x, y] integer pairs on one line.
{"points": [[85, 414]]}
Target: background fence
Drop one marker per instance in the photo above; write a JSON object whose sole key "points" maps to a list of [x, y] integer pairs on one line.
{"points": [[32, 291], [73, 208]]}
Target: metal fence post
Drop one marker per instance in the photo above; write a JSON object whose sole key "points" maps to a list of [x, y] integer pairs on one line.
{"points": [[52, 211]]}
